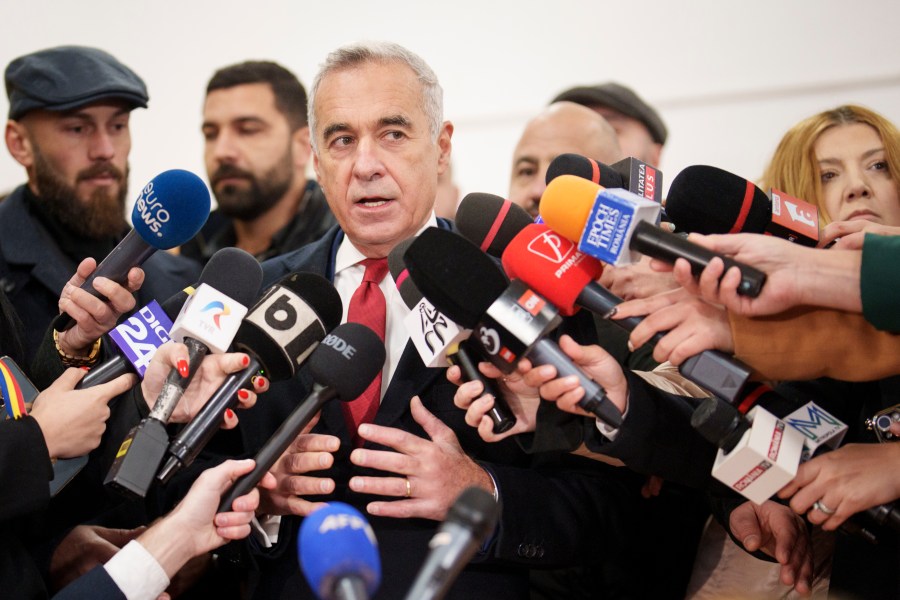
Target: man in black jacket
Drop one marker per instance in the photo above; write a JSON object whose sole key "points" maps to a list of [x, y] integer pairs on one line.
{"points": [[256, 152], [69, 111]]}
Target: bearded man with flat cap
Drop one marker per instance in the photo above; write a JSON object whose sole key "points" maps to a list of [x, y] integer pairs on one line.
{"points": [[69, 111]]}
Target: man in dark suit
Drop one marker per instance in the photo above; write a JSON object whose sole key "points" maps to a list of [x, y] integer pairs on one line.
{"points": [[69, 111], [379, 144]]}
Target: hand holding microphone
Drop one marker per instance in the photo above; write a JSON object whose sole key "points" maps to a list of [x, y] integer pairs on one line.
{"points": [[170, 210], [521, 400], [567, 392], [279, 332], [614, 226], [832, 487], [441, 342], [93, 316], [799, 275], [206, 378], [688, 324], [73, 421], [511, 320], [761, 455]]}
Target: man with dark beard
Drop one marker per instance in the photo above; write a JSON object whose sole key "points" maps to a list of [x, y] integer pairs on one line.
{"points": [[69, 127], [257, 149]]}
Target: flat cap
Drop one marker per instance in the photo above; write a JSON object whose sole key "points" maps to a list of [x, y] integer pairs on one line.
{"points": [[67, 77], [620, 98]]}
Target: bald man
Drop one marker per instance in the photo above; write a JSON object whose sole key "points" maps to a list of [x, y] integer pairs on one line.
{"points": [[561, 127]]}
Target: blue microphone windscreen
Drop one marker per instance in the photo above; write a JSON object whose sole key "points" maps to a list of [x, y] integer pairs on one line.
{"points": [[336, 542], [171, 209]]}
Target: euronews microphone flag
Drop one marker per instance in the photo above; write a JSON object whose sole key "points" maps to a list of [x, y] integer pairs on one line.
{"points": [[171, 209]]}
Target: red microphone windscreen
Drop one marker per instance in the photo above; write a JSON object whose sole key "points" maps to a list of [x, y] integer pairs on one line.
{"points": [[551, 265]]}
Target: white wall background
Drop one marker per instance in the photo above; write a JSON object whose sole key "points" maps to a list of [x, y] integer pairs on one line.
{"points": [[728, 77]]}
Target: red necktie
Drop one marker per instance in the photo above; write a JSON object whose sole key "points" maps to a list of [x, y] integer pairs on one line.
{"points": [[367, 306]]}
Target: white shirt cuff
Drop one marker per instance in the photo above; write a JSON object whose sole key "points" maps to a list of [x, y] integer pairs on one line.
{"points": [[265, 529], [137, 573]]}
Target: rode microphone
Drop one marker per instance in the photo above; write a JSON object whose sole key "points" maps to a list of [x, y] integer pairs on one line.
{"points": [[278, 333], [208, 321], [342, 367], [137, 338], [442, 342], [510, 320], [469, 522], [630, 174], [170, 211], [704, 199], [614, 226], [338, 553]]}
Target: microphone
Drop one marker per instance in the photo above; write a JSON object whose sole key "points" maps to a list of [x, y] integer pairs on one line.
{"points": [[759, 453], [630, 174], [431, 332], [614, 226], [279, 332], [170, 210], [208, 321], [553, 267], [704, 199], [490, 222], [339, 554], [342, 366], [470, 520], [440, 341], [511, 321], [137, 338]]}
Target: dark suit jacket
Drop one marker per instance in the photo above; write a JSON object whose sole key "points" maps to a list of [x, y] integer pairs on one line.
{"points": [[24, 475], [544, 515], [96, 584], [33, 270]]}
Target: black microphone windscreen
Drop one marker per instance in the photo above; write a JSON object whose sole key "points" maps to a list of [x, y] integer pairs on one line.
{"points": [[458, 278], [172, 306], [408, 290], [319, 293], [719, 423], [704, 199], [287, 322], [348, 360], [490, 222], [586, 168], [228, 271], [235, 273]]}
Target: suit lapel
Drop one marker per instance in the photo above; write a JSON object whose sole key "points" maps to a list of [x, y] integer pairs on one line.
{"points": [[410, 379]]}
